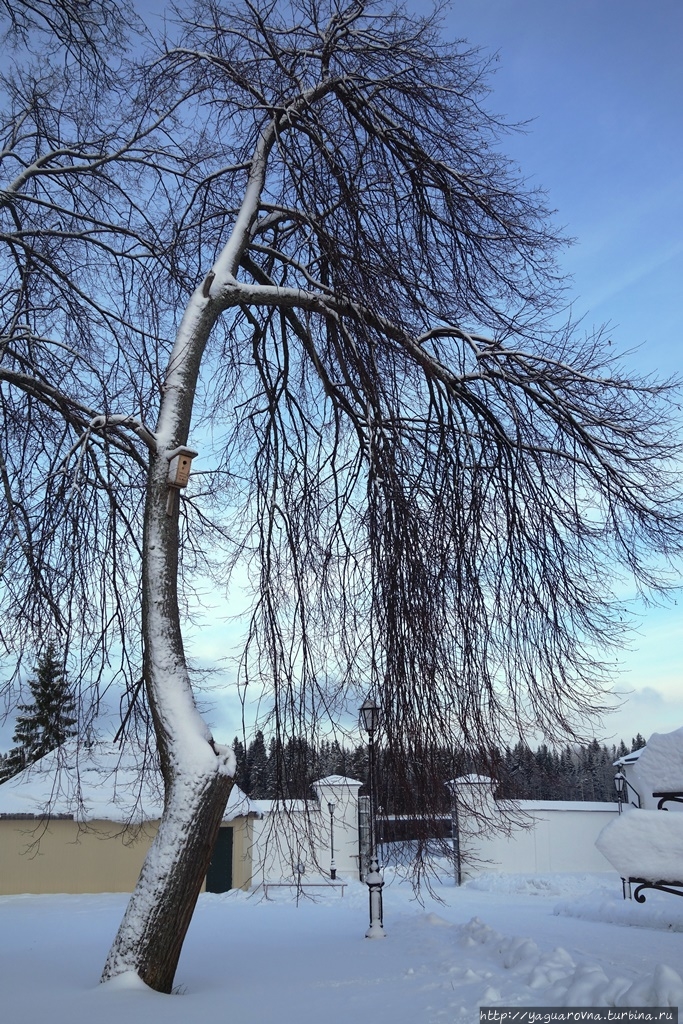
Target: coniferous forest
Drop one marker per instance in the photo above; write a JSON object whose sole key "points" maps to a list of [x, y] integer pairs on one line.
{"points": [[271, 771]]}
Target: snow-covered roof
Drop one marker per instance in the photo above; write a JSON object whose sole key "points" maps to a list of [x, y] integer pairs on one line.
{"points": [[337, 780], [99, 782], [628, 758]]}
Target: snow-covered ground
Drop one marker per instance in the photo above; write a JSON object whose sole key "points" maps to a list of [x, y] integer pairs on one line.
{"points": [[560, 940]]}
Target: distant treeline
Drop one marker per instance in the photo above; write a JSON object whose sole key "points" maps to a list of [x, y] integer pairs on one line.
{"points": [[269, 771]]}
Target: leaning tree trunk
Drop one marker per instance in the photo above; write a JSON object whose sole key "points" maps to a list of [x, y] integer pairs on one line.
{"points": [[197, 773], [151, 935]]}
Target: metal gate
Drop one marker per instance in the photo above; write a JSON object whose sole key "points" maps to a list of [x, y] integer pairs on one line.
{"points": [[364, 836]]}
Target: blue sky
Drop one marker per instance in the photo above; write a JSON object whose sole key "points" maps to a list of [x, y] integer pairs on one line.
{"points": [[602, 81]]}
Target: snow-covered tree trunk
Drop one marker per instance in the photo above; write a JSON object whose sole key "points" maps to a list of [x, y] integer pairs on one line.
{"points": [[153, 929], [197, 772]]}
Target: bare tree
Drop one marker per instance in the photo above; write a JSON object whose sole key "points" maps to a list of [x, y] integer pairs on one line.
{"points": [[431, 488], [88, 32]]}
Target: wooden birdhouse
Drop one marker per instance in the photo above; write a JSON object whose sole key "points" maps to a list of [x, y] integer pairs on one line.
{"points": [[179, 466]]}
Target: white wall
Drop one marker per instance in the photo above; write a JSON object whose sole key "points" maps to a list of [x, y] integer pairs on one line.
{"points": [[550, 836], [542, 836], [299, 833]]}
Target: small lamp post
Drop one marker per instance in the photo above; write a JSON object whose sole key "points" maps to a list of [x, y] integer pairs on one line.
{"points": [[620, 786], [369, 715], [333, 866], [455, 831]]}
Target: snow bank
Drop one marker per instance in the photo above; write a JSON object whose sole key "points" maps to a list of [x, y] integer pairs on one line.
{"points": [[553, 978], [661, 912], [645, 844], [567, 884], [661, 762]]}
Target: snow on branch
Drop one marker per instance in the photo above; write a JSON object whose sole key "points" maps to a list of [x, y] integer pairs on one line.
{"points": [[120, 420]]}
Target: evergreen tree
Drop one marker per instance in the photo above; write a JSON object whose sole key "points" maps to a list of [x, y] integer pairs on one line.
{"points": [[273, 770], [637, 742], [257, 767], [360, 769], [47, 722], [568, 774], [325, 760], [241, 779], [300, 760], [340, 760]]}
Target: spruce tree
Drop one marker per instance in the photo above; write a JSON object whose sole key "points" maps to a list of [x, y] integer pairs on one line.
{"points": [[621, 750], [257, 768], [241, 778], [47, 722]]}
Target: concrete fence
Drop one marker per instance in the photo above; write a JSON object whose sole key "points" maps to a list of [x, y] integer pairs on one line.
{"points": [[526, 835]]}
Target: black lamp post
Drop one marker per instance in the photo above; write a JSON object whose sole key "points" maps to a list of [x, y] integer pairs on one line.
{"points": [[369, 715], [620, 786], [333, 866]]}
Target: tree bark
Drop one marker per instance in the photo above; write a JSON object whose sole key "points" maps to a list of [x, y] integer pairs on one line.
{"points": [[151, 935], [197, 773]]}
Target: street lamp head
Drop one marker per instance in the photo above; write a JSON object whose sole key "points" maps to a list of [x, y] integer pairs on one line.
{"points": [[620, 783], [331, 806], [369, 715]]}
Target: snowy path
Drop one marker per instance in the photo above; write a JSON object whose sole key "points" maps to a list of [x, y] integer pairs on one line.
{"points": [[257, 962]]}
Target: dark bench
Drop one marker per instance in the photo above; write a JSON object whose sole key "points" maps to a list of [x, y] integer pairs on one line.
{"points": [[664, 797], [675, 888]]}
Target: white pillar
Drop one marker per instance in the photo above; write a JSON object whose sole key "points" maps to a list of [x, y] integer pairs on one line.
{"points": [[343, 792]]}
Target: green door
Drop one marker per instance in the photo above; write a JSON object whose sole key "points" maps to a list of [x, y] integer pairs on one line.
{"points": [[219, 875]]}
